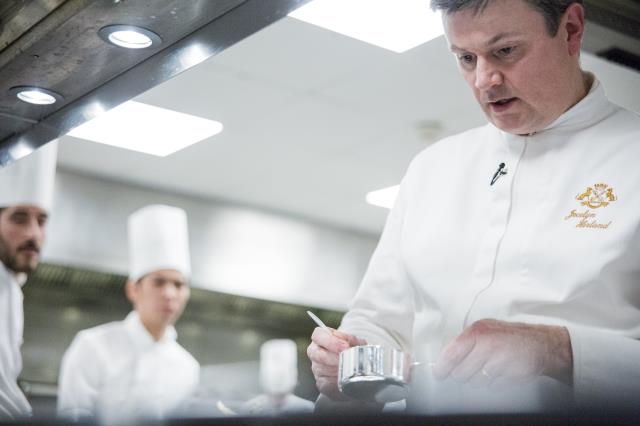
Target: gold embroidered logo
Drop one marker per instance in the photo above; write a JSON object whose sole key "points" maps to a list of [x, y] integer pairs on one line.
{"points": [[596, 196]]}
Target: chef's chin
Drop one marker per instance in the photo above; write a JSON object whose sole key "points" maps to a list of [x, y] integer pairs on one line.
{"points": [[169, 317], [510, 125], [22, 264]]}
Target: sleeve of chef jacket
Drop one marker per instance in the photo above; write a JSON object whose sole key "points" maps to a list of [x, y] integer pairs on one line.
{"points": [[606, 369], [79, 380], [382, 312]]}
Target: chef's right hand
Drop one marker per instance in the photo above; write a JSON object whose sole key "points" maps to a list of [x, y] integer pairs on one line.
{"points": [[324, 352]]}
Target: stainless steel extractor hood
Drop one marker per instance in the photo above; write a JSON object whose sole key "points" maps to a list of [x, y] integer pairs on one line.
{"points": [[55, 45]]}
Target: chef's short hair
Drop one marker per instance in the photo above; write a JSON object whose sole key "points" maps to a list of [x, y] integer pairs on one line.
{"points": [[551, 10]]}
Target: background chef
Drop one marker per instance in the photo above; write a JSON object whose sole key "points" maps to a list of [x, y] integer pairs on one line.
{"points": [[135, 369], [278, 380], [26, 199]]}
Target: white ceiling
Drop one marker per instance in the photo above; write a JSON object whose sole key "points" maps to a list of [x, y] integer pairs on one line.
{"points": [[313, 121]]}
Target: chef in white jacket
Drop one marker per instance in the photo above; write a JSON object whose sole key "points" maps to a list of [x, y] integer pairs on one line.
{"points": [[26, 198], [278, 380], [510, 263], [134, 369]]}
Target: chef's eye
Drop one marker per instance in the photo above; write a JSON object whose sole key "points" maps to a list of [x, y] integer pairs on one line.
{"points": [[506, 51], [19, 218], [466, 59]]}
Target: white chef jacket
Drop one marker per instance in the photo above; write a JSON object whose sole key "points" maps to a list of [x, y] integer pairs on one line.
{"points": [[13, 403], [117, 373], [554, 241]]}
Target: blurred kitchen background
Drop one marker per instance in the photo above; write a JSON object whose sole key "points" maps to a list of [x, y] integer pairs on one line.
{"points": [[279, 222]]}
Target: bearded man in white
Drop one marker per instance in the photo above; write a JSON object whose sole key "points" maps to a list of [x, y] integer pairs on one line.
{"points": [[26, 198]]}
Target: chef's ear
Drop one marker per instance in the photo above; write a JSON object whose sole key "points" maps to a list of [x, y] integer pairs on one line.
{"points": [[131, 290], [572, 25]]}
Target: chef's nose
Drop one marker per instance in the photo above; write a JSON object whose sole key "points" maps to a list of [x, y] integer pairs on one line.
{"points": [[34, 230], [487, 75], [169, 291]]}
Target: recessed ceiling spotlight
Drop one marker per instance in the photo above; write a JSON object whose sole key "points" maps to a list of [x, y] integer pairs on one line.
{"points": [[36, 95], [129, 36]]}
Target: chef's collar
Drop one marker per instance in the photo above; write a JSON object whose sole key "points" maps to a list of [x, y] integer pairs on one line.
{"points": [[589, 110], [592, 108], [139, 334], [21, 278], [18, 277]]}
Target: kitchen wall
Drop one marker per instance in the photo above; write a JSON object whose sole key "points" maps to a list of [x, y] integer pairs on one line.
{"points": [[234, 249]]}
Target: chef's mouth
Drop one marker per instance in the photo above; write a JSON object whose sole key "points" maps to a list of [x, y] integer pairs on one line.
{"points": [[502, 102], [169, 309], [29, 250]]}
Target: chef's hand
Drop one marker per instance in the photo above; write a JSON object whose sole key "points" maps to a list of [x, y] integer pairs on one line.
{"points": [[324, 353], [498, 353]]}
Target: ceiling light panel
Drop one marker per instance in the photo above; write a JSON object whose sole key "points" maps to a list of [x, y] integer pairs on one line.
{"points": [[396, 25], [146, 128], [385, 197]]}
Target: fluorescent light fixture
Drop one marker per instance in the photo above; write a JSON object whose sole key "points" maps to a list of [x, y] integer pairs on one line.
{"points": [[397, 25], [147, 128], [385, 197], [36, 95], [129, 36]]}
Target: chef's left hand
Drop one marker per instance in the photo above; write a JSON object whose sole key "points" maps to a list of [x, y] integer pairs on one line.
{"points": [[496, 353]]}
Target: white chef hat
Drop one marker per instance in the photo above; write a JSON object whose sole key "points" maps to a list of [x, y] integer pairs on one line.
{"points": [[158, 239], [278, 366], [30, 179]]}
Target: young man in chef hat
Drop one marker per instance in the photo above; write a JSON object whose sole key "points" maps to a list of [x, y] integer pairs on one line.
{"points": [[26, 198], [134, 369]]}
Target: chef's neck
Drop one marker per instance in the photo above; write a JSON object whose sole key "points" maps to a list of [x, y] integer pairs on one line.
{"points": [[584, 80], [582, 86], [19, 277], [154, 329]]}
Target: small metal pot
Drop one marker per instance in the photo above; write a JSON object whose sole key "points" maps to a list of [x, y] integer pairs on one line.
{"points": [[374, 373]]}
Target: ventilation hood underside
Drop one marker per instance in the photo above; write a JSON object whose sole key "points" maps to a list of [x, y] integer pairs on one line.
{"points": [[54, 44]]}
